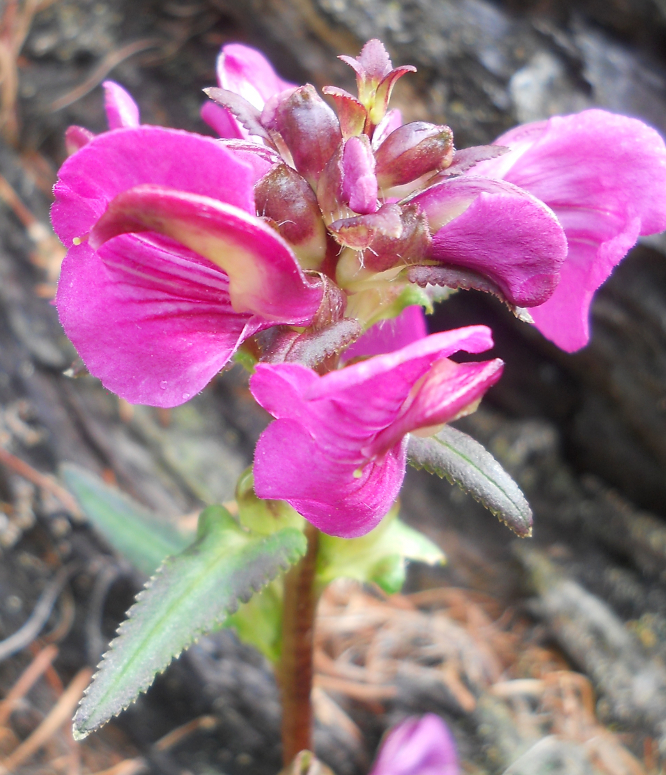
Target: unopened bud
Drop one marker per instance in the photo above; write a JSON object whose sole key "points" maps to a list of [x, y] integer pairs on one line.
{"points": [[411, 247], [411, 151], [359, 184], [308, 126], [287, 199]]}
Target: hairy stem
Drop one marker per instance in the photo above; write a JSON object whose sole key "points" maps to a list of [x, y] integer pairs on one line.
{"points": [[295, 667]]}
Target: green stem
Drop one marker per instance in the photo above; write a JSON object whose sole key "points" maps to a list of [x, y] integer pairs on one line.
{"points": [[295, 669]]}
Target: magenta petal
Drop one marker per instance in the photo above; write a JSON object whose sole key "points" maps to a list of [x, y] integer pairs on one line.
{"points": [[247, 72], [359, 184], [116, 161], [121, 110], [330, 497], [564, 318], [221, 121], [264, 275], [336, 451], [594, 160], [447, 390], [418, 746], [604, 176], [499, 230], [76, 137], [151, 320], [389, 335]]}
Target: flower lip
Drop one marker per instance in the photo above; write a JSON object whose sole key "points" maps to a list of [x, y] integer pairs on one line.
{"points": [[472, 339], [604, 176], [499, 230], [345, 430], [116, 161], [264, 275]]}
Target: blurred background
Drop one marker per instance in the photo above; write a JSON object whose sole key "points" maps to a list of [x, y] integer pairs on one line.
{"points": [[543, 655]]}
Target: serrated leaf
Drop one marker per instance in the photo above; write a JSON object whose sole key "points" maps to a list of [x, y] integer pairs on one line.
{"points": [[128, 527], [463, 461], [380, 556], [191, 594]]}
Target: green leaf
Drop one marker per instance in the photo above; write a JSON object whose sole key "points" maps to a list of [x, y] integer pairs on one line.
{"points": [[191, 594], [129, 528], [380, 556], [463, 461]]}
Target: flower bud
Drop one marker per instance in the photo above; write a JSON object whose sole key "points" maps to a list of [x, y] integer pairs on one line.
{"points": [[308, 126], [375, 77], [287, 199], [411, 151], [359, 184], [411, 247]]}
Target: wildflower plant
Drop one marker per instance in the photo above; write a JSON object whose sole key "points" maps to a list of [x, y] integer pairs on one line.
{"points": [[306, 243]]}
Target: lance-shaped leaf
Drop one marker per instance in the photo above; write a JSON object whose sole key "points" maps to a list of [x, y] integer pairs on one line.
{"points": [[264, 275], [190, 595], [134, 532], [463, 461]]}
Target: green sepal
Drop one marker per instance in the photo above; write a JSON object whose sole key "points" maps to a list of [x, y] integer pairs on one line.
{"points": [[260, 515], [128, 527], [380, 556], [463, 461], [259, 621], [190, 595]]}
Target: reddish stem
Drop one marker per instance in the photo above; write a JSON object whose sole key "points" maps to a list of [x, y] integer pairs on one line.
{"points": [[295, 669]]}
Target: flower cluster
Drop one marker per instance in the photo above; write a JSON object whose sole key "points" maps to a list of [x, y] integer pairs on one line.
{"points": [[302, 229]]}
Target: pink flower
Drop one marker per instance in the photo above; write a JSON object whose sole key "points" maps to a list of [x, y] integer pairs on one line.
{"points": [[336, 451], [497, 230], [417, 746], [244, 71], [604, 176], [168, 268], [389, 335], [121, 111]]}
